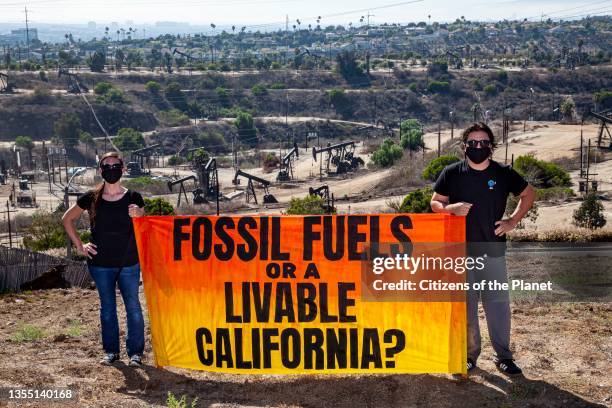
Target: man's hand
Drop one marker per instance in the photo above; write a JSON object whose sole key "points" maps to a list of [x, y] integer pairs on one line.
{"points": [[504, 226], [87, 249], [135, 211], [459, 208]]}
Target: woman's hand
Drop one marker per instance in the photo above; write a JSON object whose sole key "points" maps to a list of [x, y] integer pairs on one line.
{"points": [[87, 249], [135, 211]]}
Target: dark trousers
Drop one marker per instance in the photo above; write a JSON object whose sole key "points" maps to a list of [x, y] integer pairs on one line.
{"points": [[128, 278], [496, 304]]}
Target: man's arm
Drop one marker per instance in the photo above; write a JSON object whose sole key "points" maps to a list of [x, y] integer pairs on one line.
{"points": [[439, 204], [526, 199]]}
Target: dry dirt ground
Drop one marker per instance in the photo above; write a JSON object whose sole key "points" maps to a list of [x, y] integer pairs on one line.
{"points": [[564, 348]]}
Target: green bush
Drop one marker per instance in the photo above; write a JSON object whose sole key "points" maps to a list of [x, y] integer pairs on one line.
{"points": [[45, 232], [438, 86], [412, 135], [387, 153], [147, 185], [558, 194], [153, 87], [590, 213], [490, 89], [277, 85], [129, 139], [102, 88], [173, 117], [259, 90], [176, 160], [27, 332], [417, 201], [158, 206], [541, 174], [435, 167], [310, 205], [172, 402]]}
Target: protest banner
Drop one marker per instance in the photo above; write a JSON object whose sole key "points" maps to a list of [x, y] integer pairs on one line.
{"points": [[282, 295]]}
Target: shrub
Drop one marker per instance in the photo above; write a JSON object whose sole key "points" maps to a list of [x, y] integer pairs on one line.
{"points": [[541, 174], [270, 162], [310, 205], [387, 153], [557, 194], [417, 201], [490, 89], [153, 87], [45, 232], [259, 90], [27, 332], [147, 185], [435, 167], [173, 117], [438, 86], [158, 206], [102, 88], [176, 160], [277, 85], [129, 139], [412, 135], [590, 213], [172, 402], [532, 215]]}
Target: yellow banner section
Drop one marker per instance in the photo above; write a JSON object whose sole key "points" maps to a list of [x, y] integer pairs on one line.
{"points": [[282, 295]]}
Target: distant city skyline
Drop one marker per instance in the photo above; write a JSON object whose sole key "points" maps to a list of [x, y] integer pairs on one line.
{"points": [[270, 14]]}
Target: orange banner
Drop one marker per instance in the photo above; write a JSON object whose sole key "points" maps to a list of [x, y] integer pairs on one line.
{"points": [[283, 295]]}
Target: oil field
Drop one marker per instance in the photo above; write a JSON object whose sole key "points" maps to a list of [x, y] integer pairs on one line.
{"points": [[305, 118]]}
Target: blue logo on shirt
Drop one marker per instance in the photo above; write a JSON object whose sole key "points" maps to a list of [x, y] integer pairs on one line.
{"points": [[491, 183]]}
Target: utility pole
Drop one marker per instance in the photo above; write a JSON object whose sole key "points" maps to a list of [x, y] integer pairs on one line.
{"points": [[439, 138], [581, 155], [588, 167], [27, 31], [8, 212]]}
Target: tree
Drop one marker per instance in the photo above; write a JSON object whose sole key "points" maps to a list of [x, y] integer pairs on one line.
{"points": [[412, 135], [590, 213], [350, 70], [153, 87], [67, 128], [435, 167], [25, 142], [247, 132], [102, 87], [175, 96], [96, 62], [387, 153], [567, 109], [158, 206], [341, 102], [129, 139]]}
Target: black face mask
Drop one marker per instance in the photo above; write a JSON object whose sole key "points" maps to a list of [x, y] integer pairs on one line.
{"points": [[478, 155], [111, 176]]}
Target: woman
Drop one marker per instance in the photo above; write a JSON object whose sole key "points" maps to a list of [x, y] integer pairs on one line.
{"points": [[112, 256]]}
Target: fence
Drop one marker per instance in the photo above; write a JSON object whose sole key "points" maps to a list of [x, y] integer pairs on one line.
{"points": [[18, 266]]}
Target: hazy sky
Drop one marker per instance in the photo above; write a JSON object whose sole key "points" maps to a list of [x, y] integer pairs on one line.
{"points": [[261, 12]]}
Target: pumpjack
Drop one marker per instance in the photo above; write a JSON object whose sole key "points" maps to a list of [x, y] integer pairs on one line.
{"points": [[323, 192], [250, 190], [75, 85], [206, 182], [286, 165], [341, 155], [604, 121], [138, 166]]}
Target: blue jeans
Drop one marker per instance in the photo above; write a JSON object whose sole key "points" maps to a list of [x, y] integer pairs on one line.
{"points": [[106, 279]]}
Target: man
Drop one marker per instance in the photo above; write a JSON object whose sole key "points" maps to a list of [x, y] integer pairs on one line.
{"points": [[478, 188]]}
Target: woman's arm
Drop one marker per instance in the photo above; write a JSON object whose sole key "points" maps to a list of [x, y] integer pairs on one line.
{"points": [[68, 219]]}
